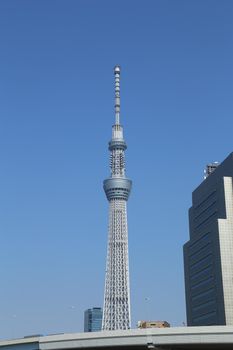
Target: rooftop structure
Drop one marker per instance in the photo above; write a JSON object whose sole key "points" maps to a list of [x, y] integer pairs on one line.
{"points": [[153, 324], [210, 168]]}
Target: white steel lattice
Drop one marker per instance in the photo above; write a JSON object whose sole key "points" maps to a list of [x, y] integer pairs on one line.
{"points": [[116, 313], [117, 162]]}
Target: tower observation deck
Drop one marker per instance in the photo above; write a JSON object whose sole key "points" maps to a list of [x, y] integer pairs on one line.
{"points": [[116, 310]]}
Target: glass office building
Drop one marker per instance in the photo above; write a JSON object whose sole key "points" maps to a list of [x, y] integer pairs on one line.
{"points": [[93, 319], [208, 255]]}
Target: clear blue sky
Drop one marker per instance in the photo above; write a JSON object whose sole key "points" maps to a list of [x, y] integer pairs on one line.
{"points": [[56, 112]]}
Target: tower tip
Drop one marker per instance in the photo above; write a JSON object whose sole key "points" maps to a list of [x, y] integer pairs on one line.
{"points": [[117, 69]]}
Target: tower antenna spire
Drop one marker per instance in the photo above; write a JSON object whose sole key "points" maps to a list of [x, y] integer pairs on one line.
{"points": [[117, 71]]}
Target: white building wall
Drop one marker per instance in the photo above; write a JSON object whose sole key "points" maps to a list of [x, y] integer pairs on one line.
{"points": [[226, 250]]}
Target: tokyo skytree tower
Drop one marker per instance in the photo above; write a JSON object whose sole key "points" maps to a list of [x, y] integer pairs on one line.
{"points": [[116, 310]]}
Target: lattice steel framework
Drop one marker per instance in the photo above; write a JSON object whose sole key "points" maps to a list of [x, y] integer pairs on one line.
{"points": [[116, 310]]}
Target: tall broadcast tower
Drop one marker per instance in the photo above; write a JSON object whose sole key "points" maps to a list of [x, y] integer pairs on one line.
{"points": [[116, 312]]}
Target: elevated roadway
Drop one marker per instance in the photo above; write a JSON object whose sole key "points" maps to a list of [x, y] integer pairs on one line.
{"points": [[213, 337]]}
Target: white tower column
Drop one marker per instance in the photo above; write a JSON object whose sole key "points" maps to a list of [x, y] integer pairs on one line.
{"points": [[116, 310]]}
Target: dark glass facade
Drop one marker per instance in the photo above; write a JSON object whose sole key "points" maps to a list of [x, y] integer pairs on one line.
{"points": [[93, 319]]}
